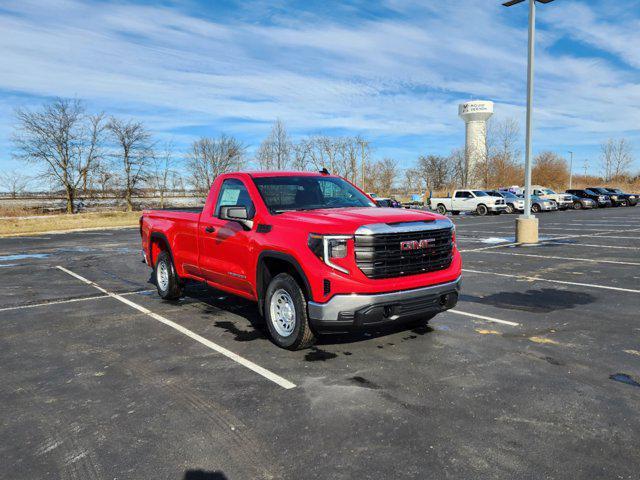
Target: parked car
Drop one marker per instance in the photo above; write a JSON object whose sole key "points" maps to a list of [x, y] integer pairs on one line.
{"points": [[583, 202], [468, 201], [631, 198], [539, 204], [513, 201], [563, 200], [616, 200], [600, 199], [386, 202], [310, 250]]}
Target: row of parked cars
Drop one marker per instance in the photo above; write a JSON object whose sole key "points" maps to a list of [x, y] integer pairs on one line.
{"points": [[511, 200]]}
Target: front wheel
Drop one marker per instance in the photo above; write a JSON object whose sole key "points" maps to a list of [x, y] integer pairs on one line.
{"points": [[441, 209], [510, 208], [482, 210], [286, 313], [167, 280], [535, 208], [577, 205]]}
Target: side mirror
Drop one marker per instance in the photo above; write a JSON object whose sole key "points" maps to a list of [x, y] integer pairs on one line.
{"points": [[236, 214]]}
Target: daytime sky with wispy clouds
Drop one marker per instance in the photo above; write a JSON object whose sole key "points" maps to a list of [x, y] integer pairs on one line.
{"points": [[393, 71]]}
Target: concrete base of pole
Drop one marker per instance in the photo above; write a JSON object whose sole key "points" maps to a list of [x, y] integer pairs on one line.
{"points": [[527, 230]]}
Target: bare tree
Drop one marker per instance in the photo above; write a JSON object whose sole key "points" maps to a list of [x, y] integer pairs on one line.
{"points": [[161, 171], [62, 139], [616, 158], [301, 155], [275, 150], [210, 157], [388, 169], [344, 156], [549, 169], [502, 155], [134, 153], [434, 169], [14, 181]]}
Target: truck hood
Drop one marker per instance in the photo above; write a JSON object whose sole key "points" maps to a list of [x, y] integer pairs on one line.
{"points": [[347, 220]]}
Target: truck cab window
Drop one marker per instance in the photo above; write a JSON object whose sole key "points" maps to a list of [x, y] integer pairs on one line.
{"points": [[233, 193]]}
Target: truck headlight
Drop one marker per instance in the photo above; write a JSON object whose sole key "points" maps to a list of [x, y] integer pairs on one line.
{"points": [[328, 247], [614, 197]]}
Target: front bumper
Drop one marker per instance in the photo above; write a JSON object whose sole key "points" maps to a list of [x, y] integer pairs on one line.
{"points": [[497, 208], [346, 312], [547, 207]]}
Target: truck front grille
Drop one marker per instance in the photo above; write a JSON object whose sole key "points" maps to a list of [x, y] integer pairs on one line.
{"points": [[400, 254]]}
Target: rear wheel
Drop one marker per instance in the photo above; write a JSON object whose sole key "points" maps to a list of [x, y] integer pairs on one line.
{"points": [[577, 205], [441, 209], [455, 212], [167, 280], [482, 210], [510, 208], [286, 313]]}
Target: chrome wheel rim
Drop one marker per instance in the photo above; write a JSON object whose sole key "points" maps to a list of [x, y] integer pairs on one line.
{"points": [[162, 276], [283, 313]]}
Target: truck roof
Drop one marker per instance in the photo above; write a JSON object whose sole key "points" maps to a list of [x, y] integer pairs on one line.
{"points": [[277, 173]]}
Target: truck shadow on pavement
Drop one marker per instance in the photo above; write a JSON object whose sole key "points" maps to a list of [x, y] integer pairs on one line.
{"points": [[543, 300], [218, 303], [203, 475]]}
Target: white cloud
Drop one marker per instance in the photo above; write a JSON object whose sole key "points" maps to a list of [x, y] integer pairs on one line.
{"points": [[384, 77]]}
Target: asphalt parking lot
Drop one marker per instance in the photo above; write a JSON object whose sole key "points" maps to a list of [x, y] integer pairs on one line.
{"points": [[535, 374]]}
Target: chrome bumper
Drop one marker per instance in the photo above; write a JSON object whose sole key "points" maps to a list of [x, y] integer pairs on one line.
{"points": [[362, 310], [497, 208]]}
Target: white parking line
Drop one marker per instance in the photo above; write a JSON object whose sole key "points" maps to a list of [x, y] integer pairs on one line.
{"points": [[553, 242], [482, 317], [553, 257], [563, 282], [70, 300], [277, 379]]}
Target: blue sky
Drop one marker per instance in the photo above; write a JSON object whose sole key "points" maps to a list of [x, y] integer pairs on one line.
{"points": [[393, 71]]}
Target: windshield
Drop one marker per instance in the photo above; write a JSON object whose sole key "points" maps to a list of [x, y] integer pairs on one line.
{"points": [[479, 193], [599, 190], [282, 194], [548, 191]]}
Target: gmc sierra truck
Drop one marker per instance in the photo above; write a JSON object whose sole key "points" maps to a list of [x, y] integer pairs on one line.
{"points": [[311, 249]]}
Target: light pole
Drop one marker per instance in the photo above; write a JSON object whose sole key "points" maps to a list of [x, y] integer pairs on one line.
{"points": [[527, 224], [570, 168]]}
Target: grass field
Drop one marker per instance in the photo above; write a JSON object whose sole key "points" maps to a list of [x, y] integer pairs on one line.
{"points": [[48, 223]]}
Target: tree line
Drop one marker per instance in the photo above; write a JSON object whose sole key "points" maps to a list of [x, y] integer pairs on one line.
{"points": [[77, 152]]}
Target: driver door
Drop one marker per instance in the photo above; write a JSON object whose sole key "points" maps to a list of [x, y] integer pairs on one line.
{"points": [[224, 244]]}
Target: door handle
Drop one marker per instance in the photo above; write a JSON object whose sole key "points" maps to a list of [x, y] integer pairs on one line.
{"points": [[209, 229]]}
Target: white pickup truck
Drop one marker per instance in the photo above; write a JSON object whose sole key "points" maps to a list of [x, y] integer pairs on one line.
{"points": [[564, 200], [468, 201]]}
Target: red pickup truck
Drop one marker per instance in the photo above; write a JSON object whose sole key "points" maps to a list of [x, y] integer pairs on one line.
{"points": [[311, 249]]}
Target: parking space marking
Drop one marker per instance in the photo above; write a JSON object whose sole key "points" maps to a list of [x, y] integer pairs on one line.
{"points": [[590, 260], [69, 300], [269, 375], [482, 317], [563, 282], [512, 244], [555, 242]]}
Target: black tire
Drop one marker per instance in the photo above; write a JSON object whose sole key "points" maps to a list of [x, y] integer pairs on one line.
{"points": [[300, 336], [510, 208], [441, 209], [482, 210], [535, 208], [167, 280], [455, 212], [577, 205]]}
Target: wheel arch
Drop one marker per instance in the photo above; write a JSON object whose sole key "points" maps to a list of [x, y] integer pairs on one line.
{"points": [[271, 263], [158, 242]]}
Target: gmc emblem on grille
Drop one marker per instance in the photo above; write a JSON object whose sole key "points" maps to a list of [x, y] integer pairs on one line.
{"points": [[416, 244]]}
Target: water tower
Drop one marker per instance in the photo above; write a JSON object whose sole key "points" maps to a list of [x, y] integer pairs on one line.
{"points": [[475, 115]]}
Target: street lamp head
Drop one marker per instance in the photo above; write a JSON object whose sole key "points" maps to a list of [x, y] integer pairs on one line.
{"points": [[511, 3]]}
